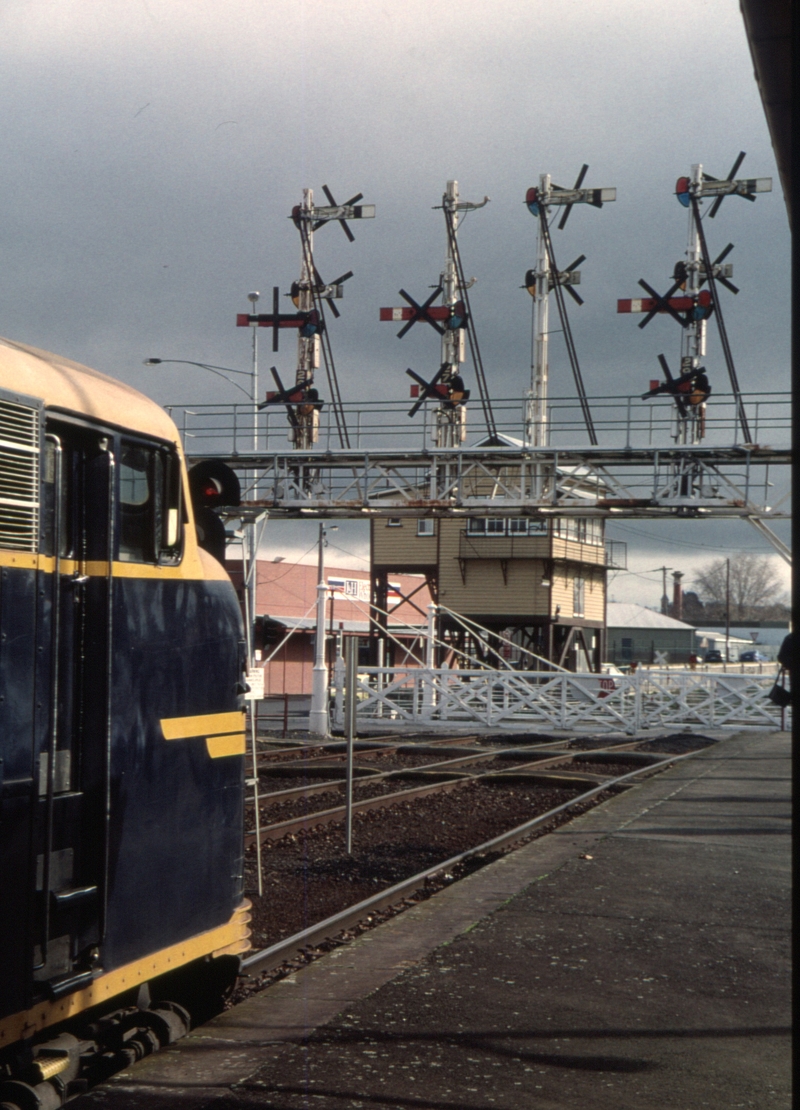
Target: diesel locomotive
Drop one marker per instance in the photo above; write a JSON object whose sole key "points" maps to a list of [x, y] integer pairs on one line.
{"points": [[122, 738]]}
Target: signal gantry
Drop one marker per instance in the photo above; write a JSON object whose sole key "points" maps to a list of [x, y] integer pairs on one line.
{"points": [[452, 320], [547, 278], [309, 295], [693, 306]]}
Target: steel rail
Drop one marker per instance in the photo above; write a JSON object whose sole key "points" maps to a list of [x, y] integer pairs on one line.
{"points": [[279, 829], [405, 772], [369, 775], [382, 743], [379, 748], [276, 954]]}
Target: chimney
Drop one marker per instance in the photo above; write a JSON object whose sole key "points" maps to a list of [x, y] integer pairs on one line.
{"points": [[677, 595]]}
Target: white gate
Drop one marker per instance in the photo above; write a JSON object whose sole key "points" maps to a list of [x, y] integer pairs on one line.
{"points": [[419, 698]]}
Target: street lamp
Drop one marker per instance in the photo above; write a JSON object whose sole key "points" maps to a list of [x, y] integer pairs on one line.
{"points": [[220, 371]]}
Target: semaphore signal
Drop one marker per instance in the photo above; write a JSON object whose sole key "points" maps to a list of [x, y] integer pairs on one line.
{"points": [[452, 320], [693, 306], [546, 278], [309, 295]]}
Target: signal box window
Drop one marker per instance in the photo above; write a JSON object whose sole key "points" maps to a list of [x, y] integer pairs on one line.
{"points": [[394, 522], [425, 527], [577, 597], [491, 526], [149, 505]]}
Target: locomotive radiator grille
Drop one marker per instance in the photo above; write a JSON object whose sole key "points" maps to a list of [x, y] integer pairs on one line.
{"points": [[19, 476]]}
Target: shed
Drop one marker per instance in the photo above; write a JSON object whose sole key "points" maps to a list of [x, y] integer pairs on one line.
{"points": [[636, 634]]}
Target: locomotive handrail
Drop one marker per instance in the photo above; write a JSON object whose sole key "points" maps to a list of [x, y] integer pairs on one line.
{"points": [[55, 650], [112, 489]]}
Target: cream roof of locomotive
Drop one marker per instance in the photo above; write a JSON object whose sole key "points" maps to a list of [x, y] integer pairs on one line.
{"points": [[70, 387]]}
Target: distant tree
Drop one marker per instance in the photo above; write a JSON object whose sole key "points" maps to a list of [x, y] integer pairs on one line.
{"points": [[693, 608], [754, 585]]}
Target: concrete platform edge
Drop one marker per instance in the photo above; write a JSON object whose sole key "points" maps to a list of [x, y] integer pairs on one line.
{"points": [[228, 1050]]}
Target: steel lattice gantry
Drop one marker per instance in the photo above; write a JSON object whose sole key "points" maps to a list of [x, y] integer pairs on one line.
{"points": [[645, 482]]}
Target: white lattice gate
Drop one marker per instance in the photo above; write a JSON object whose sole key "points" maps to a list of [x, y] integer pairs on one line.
{"points": [[421, 698]]}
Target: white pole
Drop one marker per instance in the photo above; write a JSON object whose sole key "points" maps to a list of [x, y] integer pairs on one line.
{"points": [[249, 645], [318, 717], [351, 680], [338, 683], [430, 639], [250, 530], [447, 427], [537, 408], [381, 677]]}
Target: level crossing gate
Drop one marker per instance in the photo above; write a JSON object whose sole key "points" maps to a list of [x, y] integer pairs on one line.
{"points": [[427, 698]]}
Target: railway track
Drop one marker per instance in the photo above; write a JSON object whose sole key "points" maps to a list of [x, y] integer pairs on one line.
{"points": [[529, 771], [449, 806], [304, 942]]}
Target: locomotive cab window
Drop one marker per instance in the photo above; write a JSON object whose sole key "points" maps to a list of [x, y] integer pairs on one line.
{"points": [[149, 505]]}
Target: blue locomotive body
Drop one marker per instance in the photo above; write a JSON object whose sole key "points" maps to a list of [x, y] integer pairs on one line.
{"points": [[121, 712]]}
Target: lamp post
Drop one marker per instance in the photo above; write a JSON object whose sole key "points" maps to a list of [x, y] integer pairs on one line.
{"points": [[220, 371]]}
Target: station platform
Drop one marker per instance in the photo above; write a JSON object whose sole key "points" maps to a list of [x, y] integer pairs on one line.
{"points": [[637, 958]]}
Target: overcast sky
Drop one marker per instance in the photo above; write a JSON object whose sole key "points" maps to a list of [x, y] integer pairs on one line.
{"points": [[152, 150]]}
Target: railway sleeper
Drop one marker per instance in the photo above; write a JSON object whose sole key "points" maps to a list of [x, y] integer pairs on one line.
{"points": [[643, 759], [541, 778]]}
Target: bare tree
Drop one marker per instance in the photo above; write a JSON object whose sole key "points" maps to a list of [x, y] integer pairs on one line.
{"points": [[754, 583]]}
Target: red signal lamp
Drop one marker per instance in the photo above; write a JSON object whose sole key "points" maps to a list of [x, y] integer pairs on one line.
{"points": [[682, 190]]}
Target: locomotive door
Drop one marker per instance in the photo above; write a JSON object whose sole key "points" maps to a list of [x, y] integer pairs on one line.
{"points": [[71, 838]]}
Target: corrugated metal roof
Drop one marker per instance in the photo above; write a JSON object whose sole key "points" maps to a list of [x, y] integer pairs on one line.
{"points": [[308, 624], [627, 614]]}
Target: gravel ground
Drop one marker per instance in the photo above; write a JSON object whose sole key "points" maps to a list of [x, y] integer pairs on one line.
{"points": [[307, 876]]}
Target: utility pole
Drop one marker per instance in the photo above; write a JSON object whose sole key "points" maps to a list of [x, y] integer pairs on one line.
{"points": [[664, 598], [727, 610]]}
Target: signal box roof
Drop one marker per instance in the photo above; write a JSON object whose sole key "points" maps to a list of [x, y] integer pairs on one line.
{"points": [[69, 387]]}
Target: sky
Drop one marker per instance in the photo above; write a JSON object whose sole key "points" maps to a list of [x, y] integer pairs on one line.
{"points": [[153, 149]]}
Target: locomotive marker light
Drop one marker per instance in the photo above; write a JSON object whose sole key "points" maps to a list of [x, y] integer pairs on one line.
{"points": [[543, 279]]}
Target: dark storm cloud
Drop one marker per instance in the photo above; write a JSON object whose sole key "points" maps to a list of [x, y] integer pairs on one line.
{"points": [[152, 152]]}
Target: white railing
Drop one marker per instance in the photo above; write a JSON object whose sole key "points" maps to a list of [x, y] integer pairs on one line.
{"points": [[415, 697]]}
